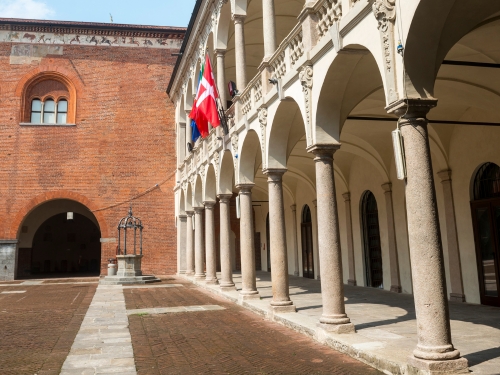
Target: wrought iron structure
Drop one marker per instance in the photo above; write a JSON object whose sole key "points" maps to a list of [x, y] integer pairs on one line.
{"points": [[129, 222]]}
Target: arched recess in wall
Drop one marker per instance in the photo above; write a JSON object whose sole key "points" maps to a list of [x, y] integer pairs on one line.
{"points": [[46, 86], [307, 243], [485, 206], [371, 240]]}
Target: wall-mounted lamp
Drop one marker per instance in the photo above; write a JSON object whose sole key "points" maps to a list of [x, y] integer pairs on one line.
{"points": [[400, 48], [273, 81], [69, 216], [399, 154]]}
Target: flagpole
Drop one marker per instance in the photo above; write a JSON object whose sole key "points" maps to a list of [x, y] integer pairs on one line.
{"points": [[220, 107]]}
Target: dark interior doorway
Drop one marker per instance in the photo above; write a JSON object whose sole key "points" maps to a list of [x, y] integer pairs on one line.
{"points": [[373, 249], [62, 248], [485, 208], [307, 244]]}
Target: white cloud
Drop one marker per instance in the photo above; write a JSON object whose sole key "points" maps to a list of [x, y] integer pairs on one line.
{"points": [[25, 9]]}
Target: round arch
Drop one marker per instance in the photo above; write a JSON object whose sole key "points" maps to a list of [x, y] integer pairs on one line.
{"points": [[226, 173], [198, 192], [250, 158], [210, 187]]}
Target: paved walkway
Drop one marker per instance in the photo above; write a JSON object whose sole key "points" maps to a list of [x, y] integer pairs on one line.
{"points": [[385, 323]]}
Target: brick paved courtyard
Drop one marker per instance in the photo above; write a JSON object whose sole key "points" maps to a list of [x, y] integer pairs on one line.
{"points": [[229, 341], [38, 325]]}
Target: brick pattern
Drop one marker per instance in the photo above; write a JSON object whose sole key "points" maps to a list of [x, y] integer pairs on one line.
{"points": [[39, 326], [230, 341], [122, 145]]}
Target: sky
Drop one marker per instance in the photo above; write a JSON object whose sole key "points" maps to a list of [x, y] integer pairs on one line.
{"points": [[142, 12]]}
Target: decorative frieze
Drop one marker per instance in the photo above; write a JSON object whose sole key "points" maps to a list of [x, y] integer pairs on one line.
{"points": [[306, 79], [263, 127]]}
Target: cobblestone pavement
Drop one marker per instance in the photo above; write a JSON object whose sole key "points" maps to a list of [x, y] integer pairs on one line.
{"points": [[229, 341], [38, 324]]}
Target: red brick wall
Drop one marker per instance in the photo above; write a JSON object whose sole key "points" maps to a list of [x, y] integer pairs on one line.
{"points": [[123, 144]]}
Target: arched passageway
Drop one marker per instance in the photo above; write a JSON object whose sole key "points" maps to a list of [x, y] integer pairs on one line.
{"points": [[371, 237], [307, 243], [486, 219], [59, 238]]}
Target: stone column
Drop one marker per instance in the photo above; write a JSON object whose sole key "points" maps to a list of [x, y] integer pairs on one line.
{"points": [[226, 282], [434, 350], [239, 47], [315, 234], [181, 227], [247, 248], [391, 234], [199, 246], [457, 288], [350, 243], [189, 244], [279, 263], [295, 245], [211, 256], [269, 26], [221, 76], [334, 318]]}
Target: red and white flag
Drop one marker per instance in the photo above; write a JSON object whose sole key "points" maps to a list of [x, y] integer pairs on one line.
{"points": [[205, 107]]}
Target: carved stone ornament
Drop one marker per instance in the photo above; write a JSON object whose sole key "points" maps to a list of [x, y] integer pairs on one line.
{"points": [[263, 125], [215, 162], [385, 13], [234, 143], [306, 79]]}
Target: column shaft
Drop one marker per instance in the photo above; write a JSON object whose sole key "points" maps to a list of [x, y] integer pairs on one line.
{"points": [[226, 281], [211, 256], [334, 317], [391, 234], [457, 288], [350, 243], [240, 57], [189, 243], [247, 248], [279, 263], [269, 26], [295, 244], [181, 227], [429, 285], [221, 76], [199, 245]]}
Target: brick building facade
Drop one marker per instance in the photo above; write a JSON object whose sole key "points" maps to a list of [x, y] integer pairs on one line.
{"points": [[109, 141]]}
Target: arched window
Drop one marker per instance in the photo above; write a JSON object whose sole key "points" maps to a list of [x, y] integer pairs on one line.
{"points": [[307, 243], [49, 99], [487, 182], [485, 208], [371, 236]]}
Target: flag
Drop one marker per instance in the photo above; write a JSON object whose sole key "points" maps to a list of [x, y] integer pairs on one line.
{"points": [[204, 106], [194, 131]]}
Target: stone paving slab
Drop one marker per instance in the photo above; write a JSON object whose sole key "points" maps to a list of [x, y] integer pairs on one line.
{"points": [[103, 345], [385, 323], [152, 286], [178, 309]]}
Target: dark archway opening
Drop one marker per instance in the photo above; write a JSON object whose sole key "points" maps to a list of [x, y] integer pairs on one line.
{"points": [[373, 249], [307, 244], [485, 208], [62, 248]]}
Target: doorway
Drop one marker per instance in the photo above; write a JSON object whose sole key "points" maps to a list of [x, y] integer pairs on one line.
{"points": [[371, 236], [485, 208], [307, 243]]}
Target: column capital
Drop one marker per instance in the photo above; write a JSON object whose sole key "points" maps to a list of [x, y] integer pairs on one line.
{"points": [[181, 216], [411, 108], [245, 188], [346, 196], [323, 150], [225, 198], [220, 52], [387, 187], [274, 174], [189, 213], [294, 207], [209, 205], [445, 175], [238, 18], [198, 210]]}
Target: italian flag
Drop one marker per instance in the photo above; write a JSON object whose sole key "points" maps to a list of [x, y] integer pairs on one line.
{"points": [[205, 107]]}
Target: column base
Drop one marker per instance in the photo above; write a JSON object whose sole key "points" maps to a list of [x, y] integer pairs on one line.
{"points": [[213, 281], [452, 366], [227, 288], [199, 277], [457, 297], [352, 282], [396, 289], [189, 273], [282, 309], [245, 296], [337, 328]]}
